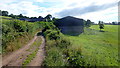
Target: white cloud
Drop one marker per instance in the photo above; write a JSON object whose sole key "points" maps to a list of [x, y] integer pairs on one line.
{"points": [[26, 7], [105, 15], [39, 0], [7, 1]]}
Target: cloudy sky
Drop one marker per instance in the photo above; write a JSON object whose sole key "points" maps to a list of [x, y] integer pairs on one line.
{"points": [[95, 10]]}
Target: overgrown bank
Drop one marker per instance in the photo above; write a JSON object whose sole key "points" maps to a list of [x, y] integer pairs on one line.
{"points": [[16, 33], [58, 49]]}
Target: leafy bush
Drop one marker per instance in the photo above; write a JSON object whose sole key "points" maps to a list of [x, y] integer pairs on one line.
{"points": [[19, 26], [52, 34]]}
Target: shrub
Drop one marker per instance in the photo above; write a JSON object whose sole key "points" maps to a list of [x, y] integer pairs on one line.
{"points": [[52, 34], [19, 26], [74, 57]]}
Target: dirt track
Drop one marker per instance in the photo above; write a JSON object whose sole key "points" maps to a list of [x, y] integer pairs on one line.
{"points": [[37, 61], [17, 58]]}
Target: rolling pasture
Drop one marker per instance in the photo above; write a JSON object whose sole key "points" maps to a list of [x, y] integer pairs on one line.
{"points": [[97, 48]]}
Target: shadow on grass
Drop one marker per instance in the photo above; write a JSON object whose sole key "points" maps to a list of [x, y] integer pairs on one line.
{"points": [[39, 34], [101, 31]]}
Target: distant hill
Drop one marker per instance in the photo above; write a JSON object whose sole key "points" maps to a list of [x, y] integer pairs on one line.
{"points": [[70, 25]]}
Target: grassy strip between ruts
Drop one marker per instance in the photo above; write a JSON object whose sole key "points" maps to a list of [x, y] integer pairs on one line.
{"points": [[30, 57], [35, 44]]}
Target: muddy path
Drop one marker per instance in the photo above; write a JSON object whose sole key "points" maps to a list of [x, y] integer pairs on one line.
{"points": [[17, 58]]}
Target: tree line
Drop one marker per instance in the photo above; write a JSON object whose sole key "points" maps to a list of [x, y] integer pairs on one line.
{"points": [[48, 18]]}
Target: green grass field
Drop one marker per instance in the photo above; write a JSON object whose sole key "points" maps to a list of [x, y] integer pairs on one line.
{"points": [[5, 17], [98, 48]]}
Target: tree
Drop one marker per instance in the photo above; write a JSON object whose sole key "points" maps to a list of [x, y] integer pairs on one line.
{"points": [[114, 23], [118, 23], [15, 16], [40, 17], [20, 16], [54, 19], [101, 25], [48, 18], [11, 15], [25, 17], [0, 13], [33, 18], [4, 13], [88, 23]]}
